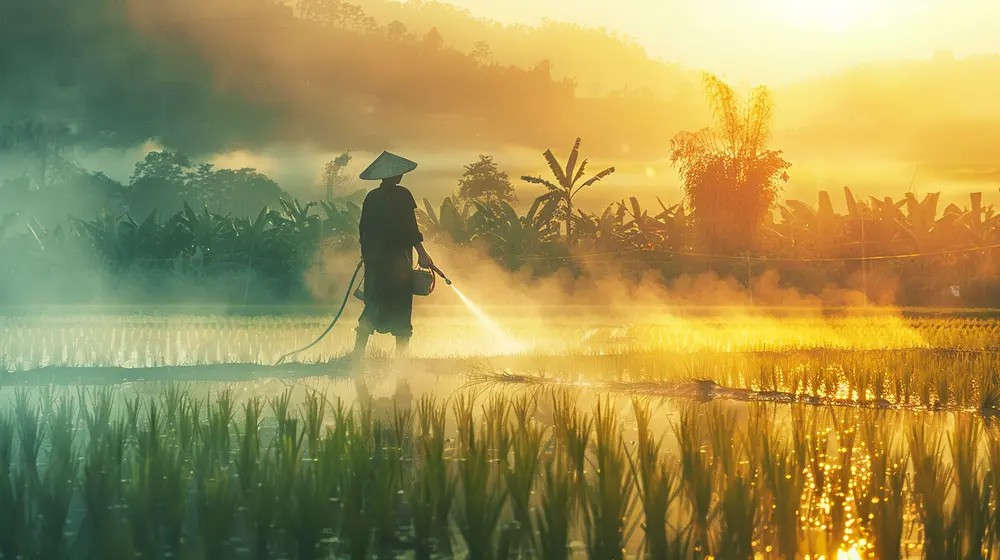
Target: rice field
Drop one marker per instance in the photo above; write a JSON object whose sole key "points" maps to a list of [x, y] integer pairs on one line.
{"points": [[620, 434]]}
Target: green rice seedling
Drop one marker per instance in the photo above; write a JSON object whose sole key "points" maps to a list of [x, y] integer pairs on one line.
{"points": [[402, 427], [29, 431], [217, 507], [726, 444], [610, 493], [572, 429], [133, 407], [313, 411], [555, 513], [760, 426], [972, 493], [658, 488], [279, 407], [249, 449], [931, 489], [482, 501], [696, 472], [172, 494], [433, 491], [888, 512], [97, 410], [259, 499], [171, 398], [310, 511], [333, 462], [386, 468], [520, 475], [993, 478], [287, 450], [13, 518], [420, 499], [188, 423], [842, 495], [158, 490], [53, 495], [358, 529], [737, 510], [523, 406], [463, 409], [989, 396], [495, 415], [877, 449], [101, 491], [784, 481], [215, 433], [6, 440]]}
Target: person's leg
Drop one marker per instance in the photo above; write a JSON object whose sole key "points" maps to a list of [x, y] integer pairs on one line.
{"points": [[361, 334], [402, 346], [360, 345]]}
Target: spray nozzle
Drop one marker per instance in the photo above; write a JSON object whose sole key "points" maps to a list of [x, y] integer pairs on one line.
{"points": [[441, 274]]}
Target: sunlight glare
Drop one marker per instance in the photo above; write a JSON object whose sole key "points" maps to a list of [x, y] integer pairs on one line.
{"points": [[829, 15]]}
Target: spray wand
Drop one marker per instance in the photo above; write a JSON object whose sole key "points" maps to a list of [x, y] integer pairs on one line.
{"points": [[441, 274]]}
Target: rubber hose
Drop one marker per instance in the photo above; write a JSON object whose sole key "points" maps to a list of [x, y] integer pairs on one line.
{"points": [[343, 304]]}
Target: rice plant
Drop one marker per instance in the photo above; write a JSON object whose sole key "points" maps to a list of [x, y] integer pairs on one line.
{"points": [[697, 475], [610, 491], [483, 501], [556, 510], [658, 486], [109, 474]]}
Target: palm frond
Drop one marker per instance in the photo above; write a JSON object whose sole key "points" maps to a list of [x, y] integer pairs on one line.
{"points": [[595, 178], [539, 181], [557, 169], [571, 162], [579, 172]]}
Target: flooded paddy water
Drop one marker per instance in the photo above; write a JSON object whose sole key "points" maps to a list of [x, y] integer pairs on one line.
{"points": [[643, 433]]}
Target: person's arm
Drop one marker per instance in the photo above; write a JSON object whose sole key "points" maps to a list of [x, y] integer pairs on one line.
{"points": [[417, 238], [363, 225], [423, 259]]}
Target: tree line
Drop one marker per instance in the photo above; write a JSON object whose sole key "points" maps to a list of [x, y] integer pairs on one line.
{"points": [[731, 224]]}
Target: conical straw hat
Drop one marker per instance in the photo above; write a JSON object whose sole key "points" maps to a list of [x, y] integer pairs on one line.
{"points": [[388, 165]]}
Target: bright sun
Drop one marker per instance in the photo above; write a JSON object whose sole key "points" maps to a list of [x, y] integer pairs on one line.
{"points": [[828, 15]]}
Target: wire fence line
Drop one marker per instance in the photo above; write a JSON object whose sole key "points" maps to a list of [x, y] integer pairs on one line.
{"points": [[763, 258]]}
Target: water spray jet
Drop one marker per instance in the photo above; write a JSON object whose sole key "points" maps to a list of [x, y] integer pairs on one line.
{"points": [[508, 343]]}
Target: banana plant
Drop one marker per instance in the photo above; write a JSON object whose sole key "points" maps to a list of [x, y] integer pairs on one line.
{"points": [[341, 219], [567, 184], [202, 230], [604, 233], [297, 216], [105, 233], [512, 239], [251, 236], [677, 225], [450, 222]]}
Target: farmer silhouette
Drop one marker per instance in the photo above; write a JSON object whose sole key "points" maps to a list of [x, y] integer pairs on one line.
{"points": [[389, 233]]}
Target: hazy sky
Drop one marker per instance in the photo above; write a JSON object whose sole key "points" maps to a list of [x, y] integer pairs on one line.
{"points": [[774, 41]]}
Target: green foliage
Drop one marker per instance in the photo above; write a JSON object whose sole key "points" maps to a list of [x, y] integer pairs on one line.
{"points": [[567, 184], [166, 181], [484, 182], [334, 180], [730, 177]]}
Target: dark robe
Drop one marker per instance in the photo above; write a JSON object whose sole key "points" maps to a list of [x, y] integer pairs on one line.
{"points": [[388, 234]]}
